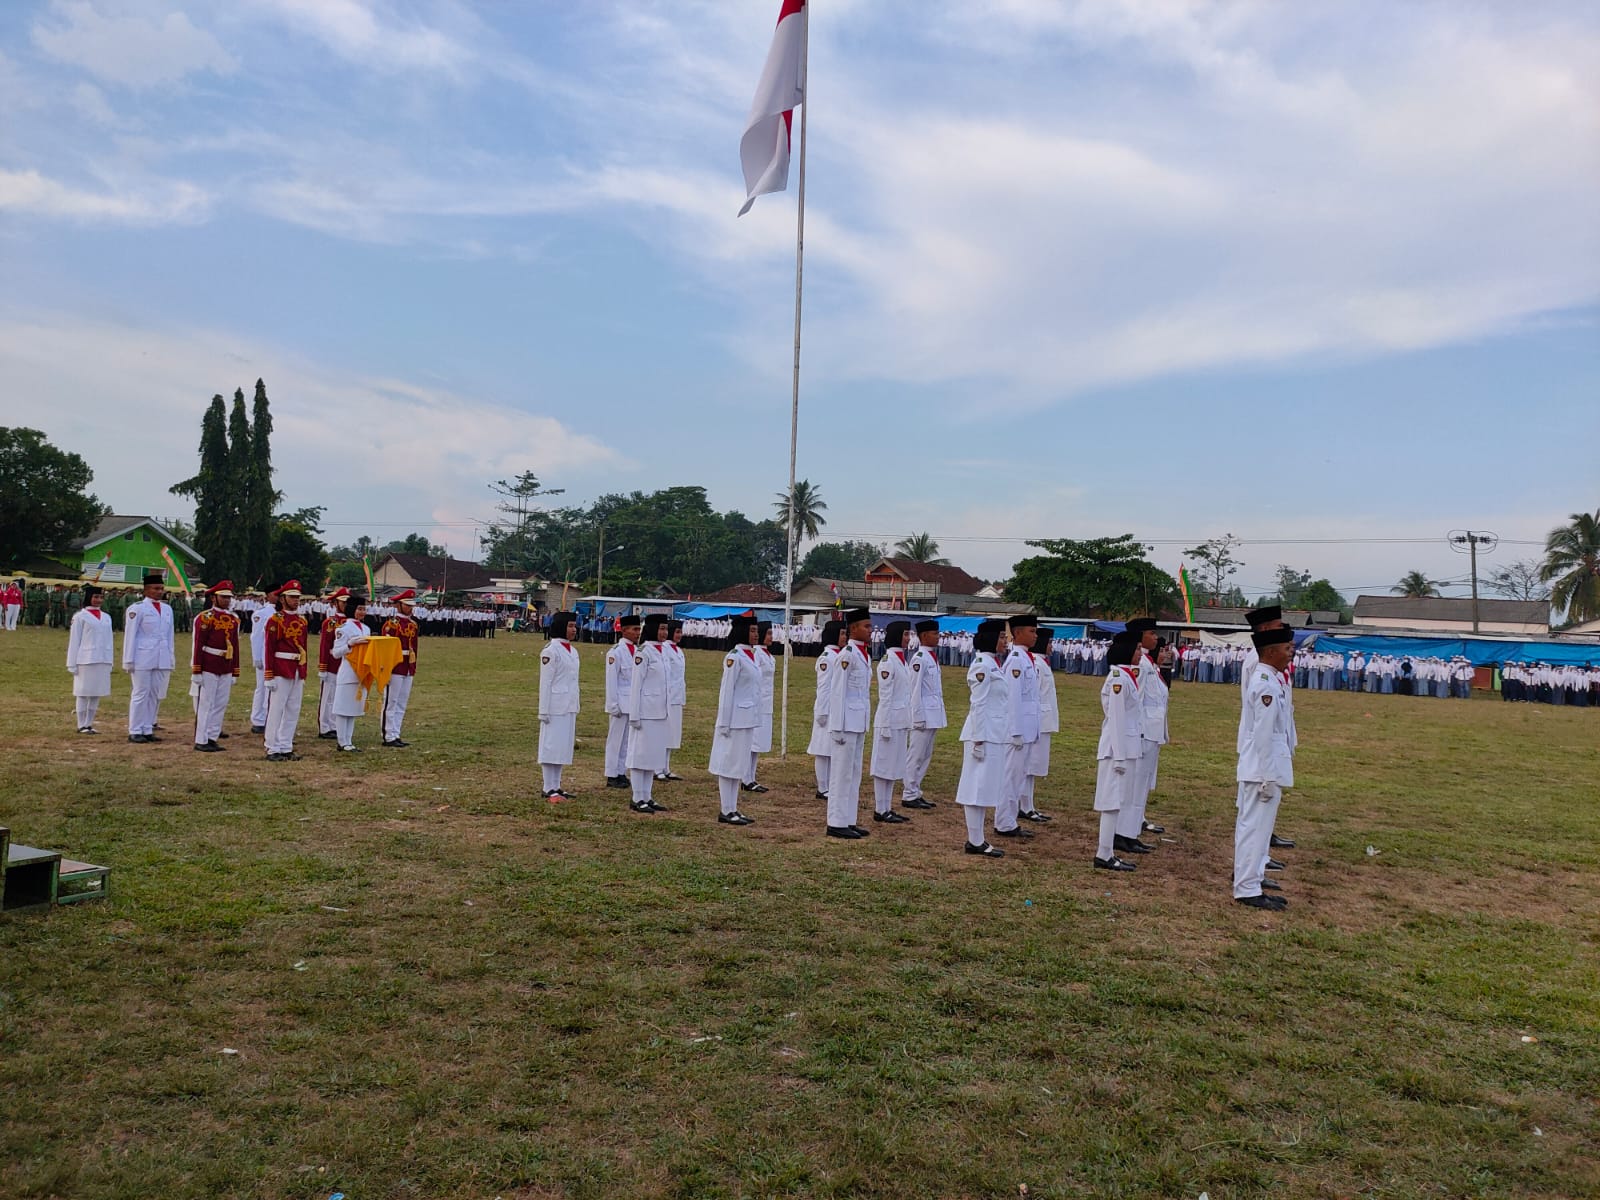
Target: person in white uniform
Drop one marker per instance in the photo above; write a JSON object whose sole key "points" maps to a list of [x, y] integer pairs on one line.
{"points": [[1120, 749], [985, 736], [1153, 735], [761, 638], [677, 694], [927, 714], [1022, 678], [738, 700], [849, 713], [258, 650], [558, 704], [1266, 765], [89, 656], [1038, 765], [619, 686], [148, 655], [891, 723], [347, 702], [648, 714], [821, 745]]}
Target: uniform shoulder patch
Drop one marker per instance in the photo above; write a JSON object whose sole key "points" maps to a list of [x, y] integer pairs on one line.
{"points": [[1266, 674], [844, 663], [822, 666], [544, 658], [638, 658], [883, 674], [980, 676], [610, 658], [728, 662], [1267, 700], [916, 666], [1116, 689], [1016, 672]]}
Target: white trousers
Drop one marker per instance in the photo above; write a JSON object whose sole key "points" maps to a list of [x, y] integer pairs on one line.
{"points": [[1005, 812], [643, 781], [919, 757], [844, 778], [325, 694], [395, 698], [145, 702], [258, 699], [344, 730], [728, 795], [210, 705], [13, 611], [1130, 823], [750, 775], [823, 765], [1252, 835], [617, 747], [552, 776], [1108, 830], [87, 707], [283, 713], [975, 814]]}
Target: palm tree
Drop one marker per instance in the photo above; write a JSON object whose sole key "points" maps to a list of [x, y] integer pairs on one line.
{"points": [[808, 504], [1572, 567], [920, 547], [1415, 584]]}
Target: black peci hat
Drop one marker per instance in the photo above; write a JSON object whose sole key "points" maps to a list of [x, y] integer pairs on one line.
{"points": [[1271, 637], [926, 627], [1141, 625], [628, 621], [1024, 621], [894, 634], [1260, 616], [987, 638], [831, 632], [655, 626], [1121, 651], [853, 615]]}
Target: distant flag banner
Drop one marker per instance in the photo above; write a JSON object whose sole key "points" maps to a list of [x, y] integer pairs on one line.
{"points": [[838, 600], [1183, 586], [99, 567], [366, 565], [177, 571], [764, 148]]}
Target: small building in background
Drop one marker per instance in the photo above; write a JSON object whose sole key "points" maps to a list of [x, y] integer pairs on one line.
{"points": [[1450, 615], [121, 549]]}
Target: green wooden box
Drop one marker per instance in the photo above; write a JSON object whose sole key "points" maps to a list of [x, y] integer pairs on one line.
{"points": [[81, 881], [31, 876]]}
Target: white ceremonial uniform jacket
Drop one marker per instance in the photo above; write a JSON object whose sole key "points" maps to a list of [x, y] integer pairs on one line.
{"points": [[1022, 677], [740, 695], [648, 687], [1266, 756], [850, 695], [1154, 695], [89, 641], [894, 692], [558, 679], [619, 677], [677, 682], [147, 638], [825, 677], [1122, 729], [258, 634], [927, 704], [1049, 705], [989, 715]]}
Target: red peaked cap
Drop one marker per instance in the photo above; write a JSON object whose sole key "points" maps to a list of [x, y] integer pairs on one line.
{"points": [[408, 594]]}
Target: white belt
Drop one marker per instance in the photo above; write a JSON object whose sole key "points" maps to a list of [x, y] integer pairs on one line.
{"points": [[212, 650], [405, 654], [286, 654]]}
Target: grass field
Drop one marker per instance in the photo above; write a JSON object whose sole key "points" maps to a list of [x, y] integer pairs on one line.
{"points": [[438, 985]]}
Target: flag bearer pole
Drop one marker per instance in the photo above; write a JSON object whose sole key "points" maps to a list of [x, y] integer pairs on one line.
{"points": [[794, 400]]}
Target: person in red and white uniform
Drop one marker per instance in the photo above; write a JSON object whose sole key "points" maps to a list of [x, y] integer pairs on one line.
{"points": [[677, 694], [398, 694], [761, 639], [558, 704], [891, 724], [619, 686], [11, 603], [737, 718], [849, 715], [284, 649], [214, 662], [347, 701], [927, 713], [89, 656], [327, 665], [648, 713]]}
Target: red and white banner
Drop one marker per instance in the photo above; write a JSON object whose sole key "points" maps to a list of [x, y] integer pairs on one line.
{"points": [[764, 148]]}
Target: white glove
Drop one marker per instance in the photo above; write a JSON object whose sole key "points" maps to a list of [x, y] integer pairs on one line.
{"points": [[635, 723], [919, 724], [544, 718], [1016, 739], [838, 739], [977, 751], [724, 730], [822, 721], [613, 711], [1118, 769], [72, 670], [883, 735]]}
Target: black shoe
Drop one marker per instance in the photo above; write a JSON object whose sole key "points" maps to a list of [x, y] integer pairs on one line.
{"points": [[753, 787], [350, 749], [1282, 843], [1152, 827], [1018, 832], [1271, 885], [640, 806], [734, 818], [918, 804], [671, 777], [986, 850], [862, 832], [846, 831], [207, 747], [1135, 846], [138, 738], [223, 735], [618, 781], [1034, 815], [654, 807], [394, 744], [1274, 865], [258, 729], [822, 795], [561, 794], [277, 758], [150, 737], [1118, 842], [890, 818], [1114, 864], [1270, 903], [331, 735]]}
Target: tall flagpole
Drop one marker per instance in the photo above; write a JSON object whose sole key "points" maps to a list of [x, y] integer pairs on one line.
{"points": [[794, 400]]}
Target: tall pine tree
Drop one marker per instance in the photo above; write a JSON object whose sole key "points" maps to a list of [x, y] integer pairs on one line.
{"points": [[261, 498], [241, 562], [212, 492]]}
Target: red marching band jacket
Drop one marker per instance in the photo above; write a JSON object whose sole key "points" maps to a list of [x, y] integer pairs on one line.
{"points": [[216, 643], [405, 629], [286, 646]]}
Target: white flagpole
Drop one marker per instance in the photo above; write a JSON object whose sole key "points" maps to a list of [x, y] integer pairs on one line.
{"points": [[794, 400]]}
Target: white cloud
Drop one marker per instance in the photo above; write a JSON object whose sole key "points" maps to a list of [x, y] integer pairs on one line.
{"points": [[371, 449], [135, 51], [160, 203], [354, 30]]}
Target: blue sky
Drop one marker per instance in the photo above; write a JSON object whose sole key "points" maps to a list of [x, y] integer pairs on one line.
{"points": [[1317, 271]]}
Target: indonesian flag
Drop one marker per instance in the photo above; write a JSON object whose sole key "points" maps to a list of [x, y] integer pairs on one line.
{"points": [[764, 148]]}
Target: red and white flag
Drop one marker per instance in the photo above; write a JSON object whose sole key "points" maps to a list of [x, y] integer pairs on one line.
{"points": [[764, 148]]}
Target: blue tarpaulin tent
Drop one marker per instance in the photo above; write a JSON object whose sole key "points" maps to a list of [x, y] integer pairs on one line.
{"points": [[1479, 652]]}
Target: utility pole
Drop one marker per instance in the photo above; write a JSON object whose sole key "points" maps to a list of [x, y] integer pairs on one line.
{"points": [[600, 565], [1472, 539]]}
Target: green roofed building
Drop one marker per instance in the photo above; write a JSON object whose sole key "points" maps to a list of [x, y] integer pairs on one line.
{"points": [[130, 546]]}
